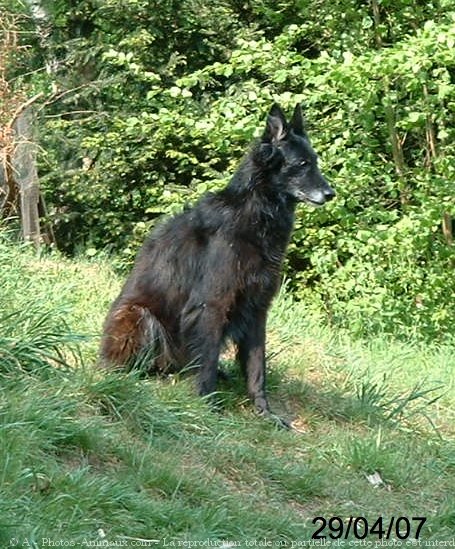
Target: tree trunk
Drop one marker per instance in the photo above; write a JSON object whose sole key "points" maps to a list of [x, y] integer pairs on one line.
{"points": [[26, 175], [9, 191], [447, 228]]}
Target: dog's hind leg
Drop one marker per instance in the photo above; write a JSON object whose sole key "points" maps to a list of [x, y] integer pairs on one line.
{"points": [[133, 336]]}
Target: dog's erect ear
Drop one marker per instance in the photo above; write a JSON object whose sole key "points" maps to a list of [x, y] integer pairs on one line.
{"points": [[269, 156], [277, 127], [298, 122]]}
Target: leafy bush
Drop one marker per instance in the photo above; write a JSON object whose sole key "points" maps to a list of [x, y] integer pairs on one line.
{"points": [[167, 101]]}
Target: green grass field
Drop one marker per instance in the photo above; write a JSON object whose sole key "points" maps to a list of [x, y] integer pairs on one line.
{"points": [[89, 458]]}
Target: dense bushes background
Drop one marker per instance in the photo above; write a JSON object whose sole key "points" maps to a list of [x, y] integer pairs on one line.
{"points": [[151, 103]]}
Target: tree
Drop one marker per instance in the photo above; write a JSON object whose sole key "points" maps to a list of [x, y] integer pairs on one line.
{"points": [[153, 107]]}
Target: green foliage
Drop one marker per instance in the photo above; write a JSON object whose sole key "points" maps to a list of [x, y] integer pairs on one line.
{"points": [[165, 102]]}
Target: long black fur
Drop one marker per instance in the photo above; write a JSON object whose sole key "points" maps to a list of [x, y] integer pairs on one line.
{"points": [[210, 273]]}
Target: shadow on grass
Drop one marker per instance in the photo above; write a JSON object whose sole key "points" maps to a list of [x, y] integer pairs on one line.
{"points": [[365, 402], [362, 400]]}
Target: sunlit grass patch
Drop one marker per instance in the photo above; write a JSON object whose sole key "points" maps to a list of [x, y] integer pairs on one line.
{"points": [[84, 450]]}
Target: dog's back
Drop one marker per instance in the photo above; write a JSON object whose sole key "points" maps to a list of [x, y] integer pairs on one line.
{"points": [[211, 271]]}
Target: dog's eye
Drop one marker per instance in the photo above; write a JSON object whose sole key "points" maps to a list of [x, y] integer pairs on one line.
{"points": [[303, 163]]}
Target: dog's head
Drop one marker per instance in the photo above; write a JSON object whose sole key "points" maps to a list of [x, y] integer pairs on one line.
{"points": [[286, 151]]}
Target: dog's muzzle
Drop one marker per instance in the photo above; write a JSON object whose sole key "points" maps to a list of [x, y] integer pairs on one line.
{"points": [[316, 197]]}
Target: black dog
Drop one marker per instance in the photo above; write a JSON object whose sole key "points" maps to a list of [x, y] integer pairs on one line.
{"points": [[211, 272]]}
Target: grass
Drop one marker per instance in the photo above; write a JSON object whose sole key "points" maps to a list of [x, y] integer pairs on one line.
{"points": [[88, 457]]}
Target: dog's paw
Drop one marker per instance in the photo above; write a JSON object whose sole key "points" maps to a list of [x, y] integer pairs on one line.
{"points": [[278, 421]]}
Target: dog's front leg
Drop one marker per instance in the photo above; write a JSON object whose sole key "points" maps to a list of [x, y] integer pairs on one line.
{"points": [[202, 332], [251, 356], [208, 369]]}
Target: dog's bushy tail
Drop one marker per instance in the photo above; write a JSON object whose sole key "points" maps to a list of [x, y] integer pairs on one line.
{"points": [[133, 337]]}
